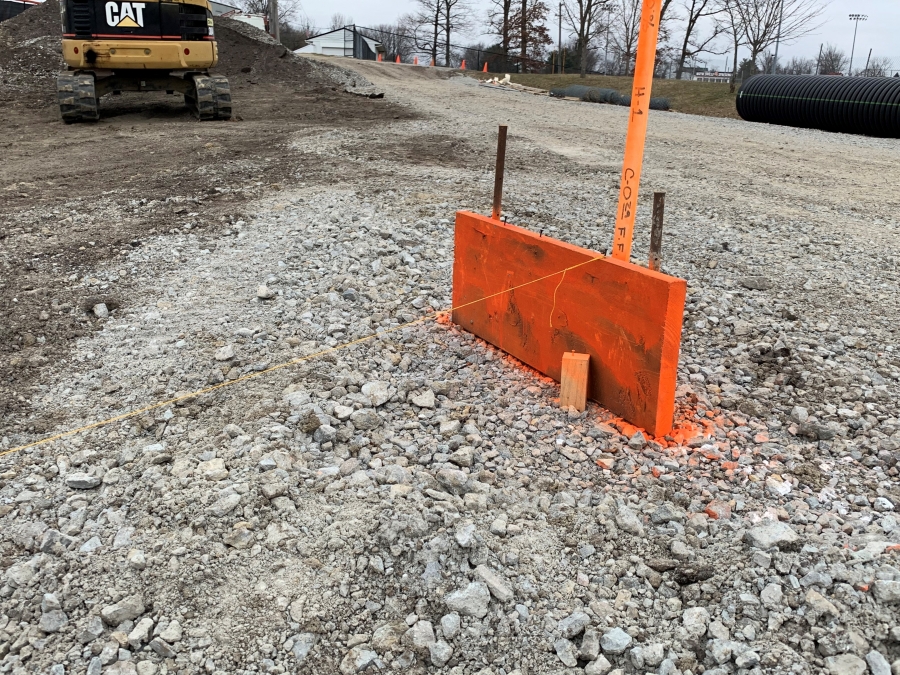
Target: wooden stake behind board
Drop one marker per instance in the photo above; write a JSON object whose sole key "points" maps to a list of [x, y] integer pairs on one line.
{"points": [[574, 380]]}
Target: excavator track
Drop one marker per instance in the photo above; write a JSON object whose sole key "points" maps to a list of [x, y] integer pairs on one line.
{"points": [[210, 98], [202, 99], [77, 95], [222, 96]]}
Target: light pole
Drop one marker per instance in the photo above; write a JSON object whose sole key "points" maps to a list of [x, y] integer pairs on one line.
{"points": [[778, 37], [274, 28], [559, 42], [856, 18], [606, 41]]}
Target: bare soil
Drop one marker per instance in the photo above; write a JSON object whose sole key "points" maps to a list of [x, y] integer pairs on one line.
{"points": [[75, 195]]}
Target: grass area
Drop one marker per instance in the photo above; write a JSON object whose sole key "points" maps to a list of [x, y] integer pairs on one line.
{"points": [[695, 98]]}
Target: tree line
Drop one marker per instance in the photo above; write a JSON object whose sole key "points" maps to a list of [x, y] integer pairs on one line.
{"points": [[599, 36]]}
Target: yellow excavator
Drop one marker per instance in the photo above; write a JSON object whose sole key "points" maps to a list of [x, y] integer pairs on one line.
{"points": [[111, 46]]}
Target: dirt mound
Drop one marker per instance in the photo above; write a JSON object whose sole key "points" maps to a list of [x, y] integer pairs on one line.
{"points": [[31, 55], [37, 22], [248, 55]]}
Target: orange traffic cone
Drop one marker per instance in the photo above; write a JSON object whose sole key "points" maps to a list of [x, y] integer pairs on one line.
{"points": [[463, 65], [484, 70], [415, 60], [398, 58], [380, 57], [432, 63]]}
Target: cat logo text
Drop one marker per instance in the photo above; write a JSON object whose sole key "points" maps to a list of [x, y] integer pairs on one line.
{"points": [[125, 14]]}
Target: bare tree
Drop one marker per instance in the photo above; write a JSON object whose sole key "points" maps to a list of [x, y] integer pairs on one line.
{"points": [[338, 20], [288, 10], [426, 26], [626, 24], [692, 44], [305, 27], [499, 20], [765, 20], [664, 12], [455, 17], [583, 17], [531, 35], [734, 25], [295, 35], [798, 66], [767, 61], [394, 39], [880, 66], [833, 60], [523, 31], [748, 69]]}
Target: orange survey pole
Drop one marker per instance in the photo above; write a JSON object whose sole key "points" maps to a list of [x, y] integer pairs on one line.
{"points": [[637, 130]]}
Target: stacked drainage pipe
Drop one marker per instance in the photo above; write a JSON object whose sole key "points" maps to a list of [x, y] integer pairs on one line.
{"points": [[852, 105]]}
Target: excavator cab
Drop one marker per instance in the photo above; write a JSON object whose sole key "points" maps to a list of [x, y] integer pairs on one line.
{"points": [[112, 46]]}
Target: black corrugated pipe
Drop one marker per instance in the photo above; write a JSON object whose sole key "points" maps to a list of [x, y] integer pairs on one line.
{"points": [[850, 105]]}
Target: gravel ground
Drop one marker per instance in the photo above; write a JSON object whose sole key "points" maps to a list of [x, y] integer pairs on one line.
{"points": [[74, 195], [417, 502]]}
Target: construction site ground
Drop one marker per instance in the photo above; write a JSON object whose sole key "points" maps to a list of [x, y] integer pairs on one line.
{"points": [[685, 96], [418, 502]]}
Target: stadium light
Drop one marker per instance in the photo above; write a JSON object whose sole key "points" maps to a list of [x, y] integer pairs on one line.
{"points": [[856, 18]]}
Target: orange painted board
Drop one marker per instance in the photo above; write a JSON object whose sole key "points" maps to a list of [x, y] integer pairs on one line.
{"points": [[627, 318], [573, 380]]}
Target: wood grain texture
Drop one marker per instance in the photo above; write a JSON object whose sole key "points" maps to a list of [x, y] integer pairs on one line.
{"points": [[627, 318], [573, 380]]}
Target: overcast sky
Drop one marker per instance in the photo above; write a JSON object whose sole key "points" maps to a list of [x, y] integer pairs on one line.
{"points": [[879, 33]]}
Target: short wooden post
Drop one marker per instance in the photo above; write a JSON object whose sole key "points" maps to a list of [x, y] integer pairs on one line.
{"points": [[498, 173], [656, 231], [574, 380]]}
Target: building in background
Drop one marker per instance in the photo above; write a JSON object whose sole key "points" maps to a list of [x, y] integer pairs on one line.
{"points": [[346, 41], [712, 76]]}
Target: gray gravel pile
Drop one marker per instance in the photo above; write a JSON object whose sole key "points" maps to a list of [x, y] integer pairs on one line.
{"points": [[417, 502], [350, 81]]}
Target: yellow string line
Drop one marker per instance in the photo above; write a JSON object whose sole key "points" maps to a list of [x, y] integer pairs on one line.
{"points": [[292, 362], [561, 279]]}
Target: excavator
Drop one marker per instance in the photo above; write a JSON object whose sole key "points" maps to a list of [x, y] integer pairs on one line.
{"points": [[111, 46]]}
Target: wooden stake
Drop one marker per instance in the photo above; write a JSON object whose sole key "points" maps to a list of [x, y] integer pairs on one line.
{"points": [[498, 173], [574, 380], [637, 130], [659, 208]]}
